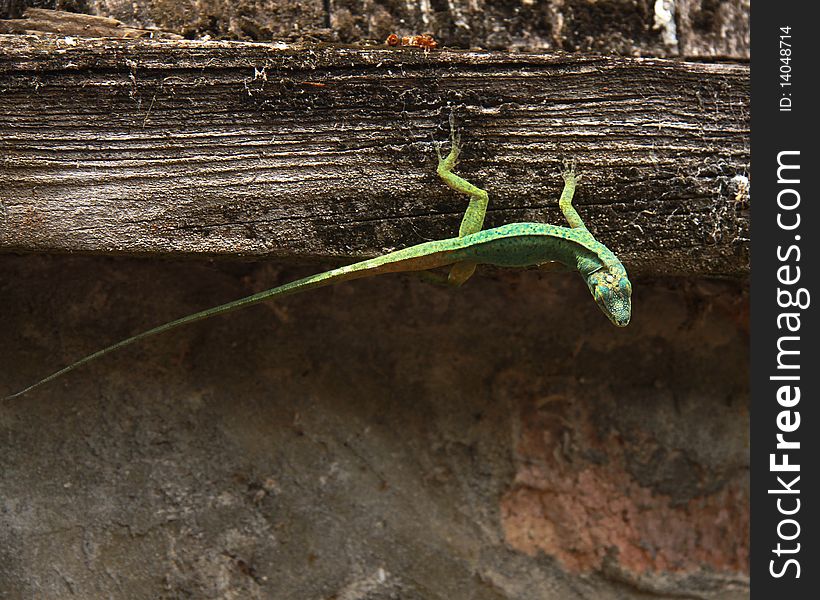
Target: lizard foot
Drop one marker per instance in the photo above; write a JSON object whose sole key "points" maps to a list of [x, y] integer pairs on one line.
{"points": [[570, 175], [449, 162]]}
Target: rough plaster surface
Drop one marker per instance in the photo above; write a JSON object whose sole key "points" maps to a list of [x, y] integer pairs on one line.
{"points": [[380, 439]]}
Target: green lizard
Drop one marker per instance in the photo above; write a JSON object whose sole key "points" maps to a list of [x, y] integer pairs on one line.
{"points": [[512, 245]]}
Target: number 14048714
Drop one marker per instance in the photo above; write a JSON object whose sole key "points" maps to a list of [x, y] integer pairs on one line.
{"points": [[785, 51]]}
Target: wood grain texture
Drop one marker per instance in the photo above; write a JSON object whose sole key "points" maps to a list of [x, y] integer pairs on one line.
{"points": [[670, 28], [37, 20], [228, 148]]}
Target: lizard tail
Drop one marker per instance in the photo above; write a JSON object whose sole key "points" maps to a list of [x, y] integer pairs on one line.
{"points": [[354, 271]]}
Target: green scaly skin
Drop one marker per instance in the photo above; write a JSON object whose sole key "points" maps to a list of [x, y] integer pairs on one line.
{"points": [[513, 245]]}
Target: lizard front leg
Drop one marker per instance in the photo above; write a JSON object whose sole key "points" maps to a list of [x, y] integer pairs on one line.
{"points": [[473, 219], [571, 179]]}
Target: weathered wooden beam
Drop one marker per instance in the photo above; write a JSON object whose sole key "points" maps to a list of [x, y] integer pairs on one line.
{"points": [[226, 148], [40, 20]]}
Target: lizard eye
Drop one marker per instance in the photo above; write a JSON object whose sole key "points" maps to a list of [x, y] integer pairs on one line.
{"points": [[609, 278]]}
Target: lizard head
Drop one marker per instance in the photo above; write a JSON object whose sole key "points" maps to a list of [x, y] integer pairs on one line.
{"points": [[613, 293]]}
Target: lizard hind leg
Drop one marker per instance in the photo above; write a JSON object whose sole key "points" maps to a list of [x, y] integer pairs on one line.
{"points": [[460, 272], [473, 219], [571, 179]]}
